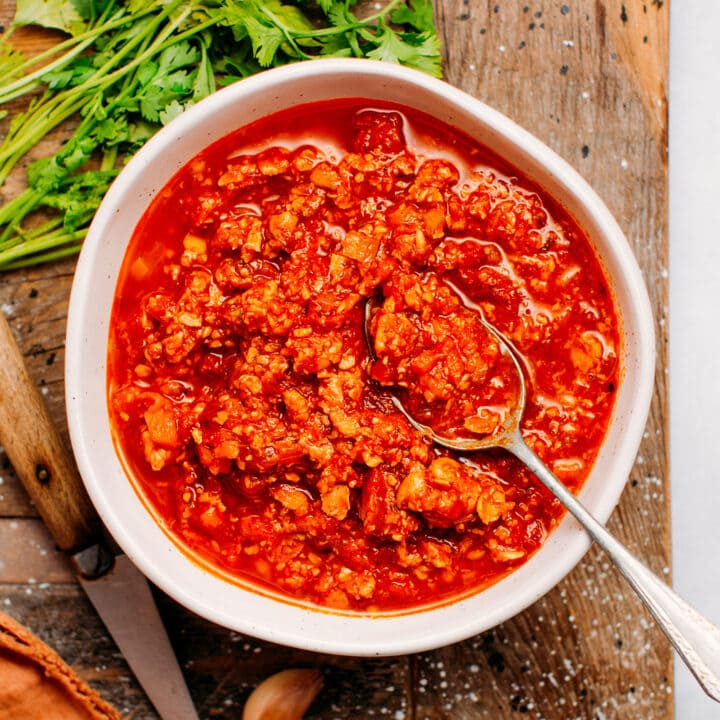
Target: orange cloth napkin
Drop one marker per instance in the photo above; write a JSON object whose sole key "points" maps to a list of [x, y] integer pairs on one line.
{"points": [[35, 683]]}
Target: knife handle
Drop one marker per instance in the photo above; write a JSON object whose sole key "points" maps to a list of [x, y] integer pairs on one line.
{"points": [[40, 458]]}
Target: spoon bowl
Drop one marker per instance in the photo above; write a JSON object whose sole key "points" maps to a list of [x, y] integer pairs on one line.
{"points": [[696, 640], [508, 433]]}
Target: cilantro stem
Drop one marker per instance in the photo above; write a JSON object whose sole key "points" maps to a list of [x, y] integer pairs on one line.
{"points": [[9, 210], [38, 258], [14, 213], [5, 36], [78, 43], [10, 236], [109, 158], [37, 245], [39, 230]]}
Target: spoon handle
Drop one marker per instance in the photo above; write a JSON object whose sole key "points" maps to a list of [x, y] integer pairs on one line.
{"points": [[695, 638]]}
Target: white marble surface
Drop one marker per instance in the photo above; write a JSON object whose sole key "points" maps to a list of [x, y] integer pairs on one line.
{"points": [[694, 103]]}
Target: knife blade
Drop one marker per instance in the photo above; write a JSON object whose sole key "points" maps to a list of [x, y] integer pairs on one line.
{"points": [[118, 591]]}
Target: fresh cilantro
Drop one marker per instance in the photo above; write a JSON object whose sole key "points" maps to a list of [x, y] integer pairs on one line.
{"points": [[171, 111], [48, 174], [138, 133], [78, 72], [326, 5], [79, 197], [421, 51], [266, 40], [204, 81], [417, 14], [91, 9], [178, 56], [129, 66], [111, 131]]}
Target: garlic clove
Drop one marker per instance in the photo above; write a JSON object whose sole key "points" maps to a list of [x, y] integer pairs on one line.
{"points": [[283, 696]]}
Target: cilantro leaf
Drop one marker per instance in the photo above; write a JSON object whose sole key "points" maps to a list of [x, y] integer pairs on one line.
{"points": [[147, 71], [138, 133], [171, 111], [91, 9], [327, 5], [416, 13], [47, 174], [111, 131], [338, 14], [204, 82], [178, 56], [72, 75], [337, 46], [164, 83], [266, 40], [56, 14], [421, 51], [79, 197], [288, 17]]}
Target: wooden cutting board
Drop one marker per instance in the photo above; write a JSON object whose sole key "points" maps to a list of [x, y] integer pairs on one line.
{"points": [[589, 77]]}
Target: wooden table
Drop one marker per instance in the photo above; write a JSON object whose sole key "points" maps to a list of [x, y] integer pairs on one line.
{"points": [[589, 77]]}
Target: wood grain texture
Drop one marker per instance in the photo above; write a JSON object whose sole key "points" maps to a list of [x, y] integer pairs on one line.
{"points": [[29, 554], [40, 458], [35, 305], [589, 78]]}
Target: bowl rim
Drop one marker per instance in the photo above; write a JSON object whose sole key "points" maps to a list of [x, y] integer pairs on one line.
{"points": [[455, 621]]}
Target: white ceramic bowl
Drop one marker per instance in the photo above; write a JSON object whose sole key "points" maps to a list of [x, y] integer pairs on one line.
{"points": [[126, 516]]}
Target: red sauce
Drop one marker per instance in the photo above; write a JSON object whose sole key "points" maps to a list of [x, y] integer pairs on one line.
{"points": [[242, 395]]}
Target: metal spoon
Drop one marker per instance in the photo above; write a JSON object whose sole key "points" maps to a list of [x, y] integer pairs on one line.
{"points": [[696, 639]]}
